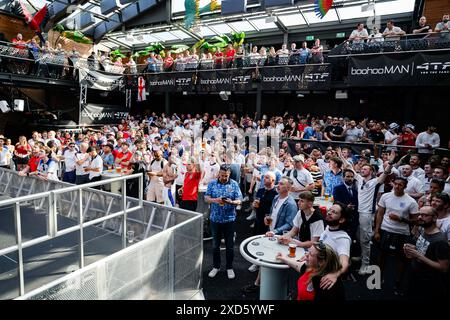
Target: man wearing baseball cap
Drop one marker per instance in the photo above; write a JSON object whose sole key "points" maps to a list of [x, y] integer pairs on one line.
{"points": [[301, 178], [391, 136]]}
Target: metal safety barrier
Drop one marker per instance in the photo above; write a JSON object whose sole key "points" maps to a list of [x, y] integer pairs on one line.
{"points": [[85, 206]]}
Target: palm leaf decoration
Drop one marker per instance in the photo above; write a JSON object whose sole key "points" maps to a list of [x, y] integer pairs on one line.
{"points": [[238, 38], [198, 44], [178, 48], [58, 28], [76, 36]]}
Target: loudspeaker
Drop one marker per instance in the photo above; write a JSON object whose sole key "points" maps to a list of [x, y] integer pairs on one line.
{"points": [[19, 105], [4, 107], [223, 95]]}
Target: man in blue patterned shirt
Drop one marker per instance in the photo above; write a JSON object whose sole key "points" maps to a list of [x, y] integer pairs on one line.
{"points": [[224, 195], [333, 177]]}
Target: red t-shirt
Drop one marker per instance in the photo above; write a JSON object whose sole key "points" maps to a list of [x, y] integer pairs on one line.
{"points": [[305, 287], [301, 127], [218, 55], [33, 163], [408, 139], [126, 159], [23, 150], [230, 54], [190, 186]]}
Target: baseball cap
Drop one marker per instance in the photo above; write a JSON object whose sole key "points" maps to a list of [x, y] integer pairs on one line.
{"points": [[393, 126], [299, 158], [410, 126]]}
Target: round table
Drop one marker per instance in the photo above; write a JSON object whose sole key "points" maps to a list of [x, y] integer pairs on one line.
{"points": [[261, 250]]}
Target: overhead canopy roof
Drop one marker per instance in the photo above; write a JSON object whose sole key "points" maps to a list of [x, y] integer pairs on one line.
{"points": [[99, 19], [288, 19]]}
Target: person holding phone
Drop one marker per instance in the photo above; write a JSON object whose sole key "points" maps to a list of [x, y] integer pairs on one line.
{"points": [[224, 195]]}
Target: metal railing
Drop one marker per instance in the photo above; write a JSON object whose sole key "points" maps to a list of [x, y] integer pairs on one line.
{"points": [[165, 266], [392, 44], [55, 207], [53, 64]]}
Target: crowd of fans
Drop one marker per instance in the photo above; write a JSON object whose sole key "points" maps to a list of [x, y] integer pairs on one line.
{"points": [[395, 197], [229, 57]]}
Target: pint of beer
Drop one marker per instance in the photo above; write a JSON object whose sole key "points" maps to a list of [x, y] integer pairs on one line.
{"points": [[292, 248], [268, 220], [118, 169]]}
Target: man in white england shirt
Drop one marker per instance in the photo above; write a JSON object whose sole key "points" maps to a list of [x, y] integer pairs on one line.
{"points": [[301, 178], [396, 211], [367, 184]]}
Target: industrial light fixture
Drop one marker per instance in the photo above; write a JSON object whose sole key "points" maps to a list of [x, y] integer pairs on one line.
{"points": [[224, 95], [341, 94], [4, 106], [19, 105]]}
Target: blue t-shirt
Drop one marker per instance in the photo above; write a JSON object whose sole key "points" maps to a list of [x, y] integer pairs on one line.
{"points": [[227, 212]]}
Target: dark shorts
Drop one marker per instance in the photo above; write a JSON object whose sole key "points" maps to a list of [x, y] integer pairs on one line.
{"points": [[393, 242]]}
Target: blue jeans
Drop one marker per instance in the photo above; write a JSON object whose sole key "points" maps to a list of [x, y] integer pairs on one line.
{"points": [[226, 231]]}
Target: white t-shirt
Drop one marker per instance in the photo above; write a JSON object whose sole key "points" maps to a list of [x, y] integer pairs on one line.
{"points": [[366, 194], [316, 228], [70, 160], [389, 136], [5, 156], [432, 139], [180, 172], [362, 33], [401, 206], [419, 173], [275, 209], [79, 169], [414, 185], [211, 173], [444, 225], [338, 240], [353, 135], [303, 179], [156, 166], [96, 163], [49, 168]]}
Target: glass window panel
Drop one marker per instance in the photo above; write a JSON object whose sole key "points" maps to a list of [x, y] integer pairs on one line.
{"points": [[221, 28], [393, 7], [180, 34], [205, 31], [292, 20], [353, 12], [165, 36], [261, 24], [242, 26]]}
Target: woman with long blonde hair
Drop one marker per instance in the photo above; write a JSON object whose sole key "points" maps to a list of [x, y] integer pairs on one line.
{"points": [[22, 153], [320, 260]]}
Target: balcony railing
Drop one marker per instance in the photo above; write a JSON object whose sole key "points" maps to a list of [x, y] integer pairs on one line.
{"points": [[408, 42]]}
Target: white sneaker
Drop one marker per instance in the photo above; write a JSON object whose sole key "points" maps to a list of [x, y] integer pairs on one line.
{"points": [[213, 272], [363, 270], [246, 198], [239, 207], [253, 268], [252, 215], [230, 274]]}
